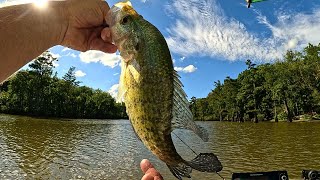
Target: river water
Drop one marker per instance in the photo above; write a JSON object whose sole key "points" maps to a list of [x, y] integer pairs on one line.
{"points": [[108, 149]]}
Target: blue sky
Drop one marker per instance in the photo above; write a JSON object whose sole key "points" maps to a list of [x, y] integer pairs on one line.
{"points": [[208, 39]]}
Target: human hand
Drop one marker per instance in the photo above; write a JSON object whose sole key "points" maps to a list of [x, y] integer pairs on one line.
{"points": [[150, 173], [86, 28]]}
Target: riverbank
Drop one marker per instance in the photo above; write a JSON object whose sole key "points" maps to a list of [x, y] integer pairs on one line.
{"points": [[55, 118], [302, 118]]}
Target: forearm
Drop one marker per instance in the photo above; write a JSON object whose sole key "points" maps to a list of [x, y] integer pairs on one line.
{"points": [[26, 31]]}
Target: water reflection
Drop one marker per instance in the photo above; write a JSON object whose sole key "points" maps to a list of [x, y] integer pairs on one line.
{"points": [[96, 149], [268, 146]]}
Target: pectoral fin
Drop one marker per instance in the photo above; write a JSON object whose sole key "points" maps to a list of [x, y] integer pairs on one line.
{"points": [[122, 87], [134, 69], [182, 115], [131, 67]]}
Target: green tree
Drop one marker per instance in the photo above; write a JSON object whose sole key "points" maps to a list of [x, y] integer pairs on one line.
{"points": [[38, 92], [70, 77], [287, 89]]}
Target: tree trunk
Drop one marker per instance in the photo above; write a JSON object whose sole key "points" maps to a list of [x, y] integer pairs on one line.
{"points": [[255, 105], [220, 114], [289, 117], [275, 112], [297, 110]]}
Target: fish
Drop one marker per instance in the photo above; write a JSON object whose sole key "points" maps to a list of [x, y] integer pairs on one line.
{"points": [[152, 91]]}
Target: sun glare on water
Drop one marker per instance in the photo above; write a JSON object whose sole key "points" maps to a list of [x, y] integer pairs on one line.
{"points": [[40, 3]]}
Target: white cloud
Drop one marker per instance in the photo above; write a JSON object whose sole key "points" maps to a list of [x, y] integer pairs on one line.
{"points": [[202, 29], [144, 1], [115, 74], [55, 55], [66, 49], [187, 69], [55, 63], [114, 90], [295, 30], [71, 55], [111, 60], [79, 73]]}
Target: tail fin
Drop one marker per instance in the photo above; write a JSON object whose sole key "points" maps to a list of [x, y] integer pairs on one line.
{"points": [[206, 162], [180, 170]]}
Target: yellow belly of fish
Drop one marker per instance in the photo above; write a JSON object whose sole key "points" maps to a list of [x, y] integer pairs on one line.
{"points": [[150, 114]]}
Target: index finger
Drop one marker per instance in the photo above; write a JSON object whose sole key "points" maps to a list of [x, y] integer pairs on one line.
{"points": [[104, 7]]}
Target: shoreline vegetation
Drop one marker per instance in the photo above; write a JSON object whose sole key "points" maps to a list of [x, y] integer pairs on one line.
{"points": [[38, 92], [287, 90], [302, 118]]}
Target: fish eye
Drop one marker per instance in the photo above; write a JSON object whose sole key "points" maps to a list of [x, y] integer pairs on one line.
{"points": [[125, 20]]}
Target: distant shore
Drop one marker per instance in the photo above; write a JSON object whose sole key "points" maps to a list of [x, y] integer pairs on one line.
{"points": [[302, 118], [58, 118]]}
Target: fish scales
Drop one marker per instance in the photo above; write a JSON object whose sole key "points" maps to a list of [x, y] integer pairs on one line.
{"points": [[155, 101], [150, 121]]}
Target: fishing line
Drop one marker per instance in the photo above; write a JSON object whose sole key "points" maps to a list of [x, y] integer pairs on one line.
{"points": [[220, 176], [185, 144], [193, 151]]}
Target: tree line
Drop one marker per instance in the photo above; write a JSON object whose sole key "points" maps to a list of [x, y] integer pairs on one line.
{"points": [[284, 90], [39, 92]]}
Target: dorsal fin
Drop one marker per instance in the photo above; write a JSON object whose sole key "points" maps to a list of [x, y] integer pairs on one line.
{"points": [[182, 115]]}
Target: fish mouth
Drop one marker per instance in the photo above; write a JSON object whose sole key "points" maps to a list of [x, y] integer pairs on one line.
{"points": [[124, 53], [111, 15]]}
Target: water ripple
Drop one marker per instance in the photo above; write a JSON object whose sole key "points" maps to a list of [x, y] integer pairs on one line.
{"points": [[100, 149]]}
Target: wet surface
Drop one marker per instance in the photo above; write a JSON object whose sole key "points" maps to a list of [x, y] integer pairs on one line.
{"points": [[108, 149]]}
